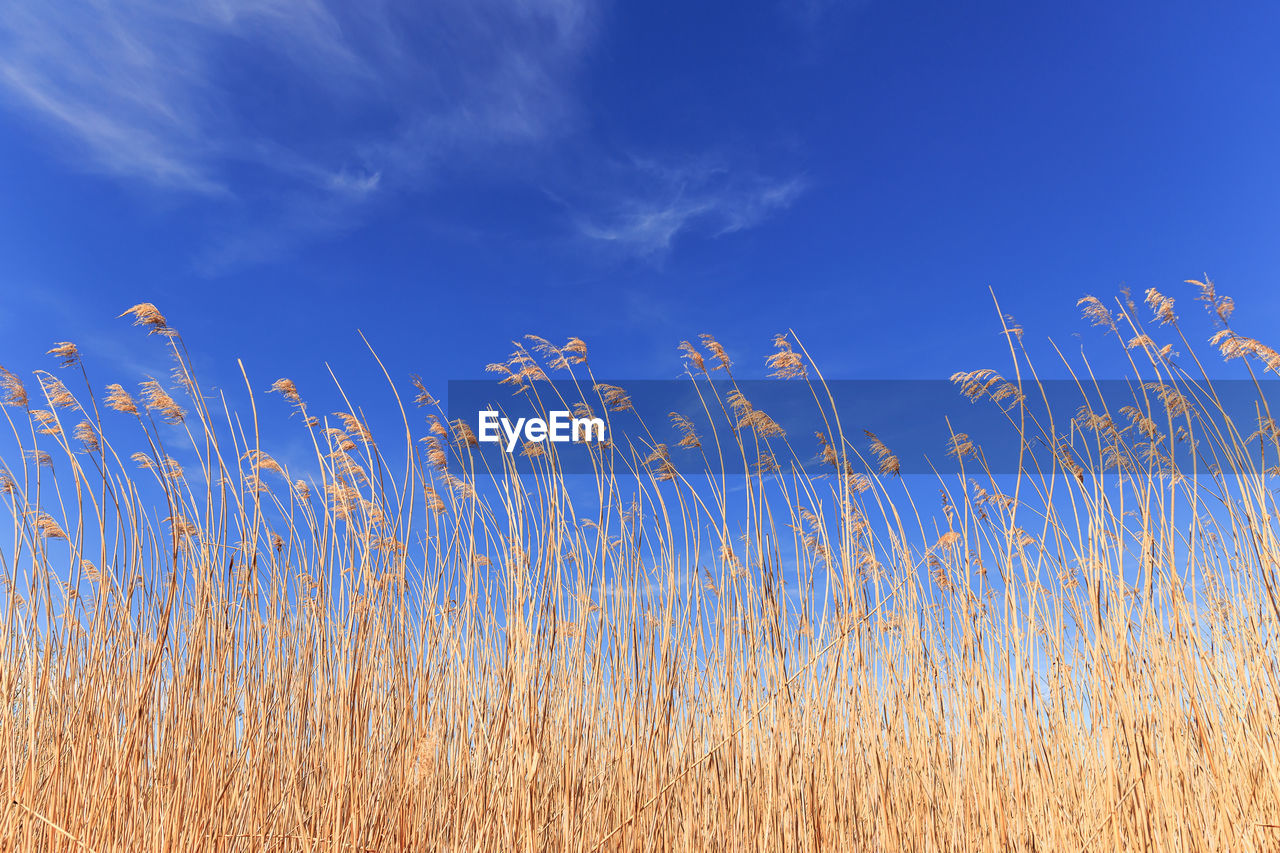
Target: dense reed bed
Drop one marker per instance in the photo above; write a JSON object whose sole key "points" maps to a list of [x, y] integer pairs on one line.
{"points": [[706, 646]]}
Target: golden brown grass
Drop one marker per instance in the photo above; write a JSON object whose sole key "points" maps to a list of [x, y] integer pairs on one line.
{"points": [[387, 649]]}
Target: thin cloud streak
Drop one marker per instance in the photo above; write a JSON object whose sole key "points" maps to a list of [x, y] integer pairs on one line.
{"points": [[670, 202], [134, 83], [294, 116], [150, 90]]}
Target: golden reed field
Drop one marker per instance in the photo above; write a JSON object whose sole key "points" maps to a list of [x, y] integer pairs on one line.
{"points": [[698, 647]]}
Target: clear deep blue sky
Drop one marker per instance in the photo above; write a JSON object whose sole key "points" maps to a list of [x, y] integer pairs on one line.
{"points": [[448, 176]]}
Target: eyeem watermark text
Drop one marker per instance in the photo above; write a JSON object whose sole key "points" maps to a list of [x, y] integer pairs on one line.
{"points": [[559, 426]]}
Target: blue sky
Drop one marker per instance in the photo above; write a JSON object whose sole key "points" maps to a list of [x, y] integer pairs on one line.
{"points": [[449, 176]]}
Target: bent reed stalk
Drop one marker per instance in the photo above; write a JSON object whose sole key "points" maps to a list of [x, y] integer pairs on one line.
{"points": [[703, 646]]}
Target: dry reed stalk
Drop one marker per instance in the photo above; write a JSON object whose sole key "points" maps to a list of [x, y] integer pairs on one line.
{"points": [[387, 646]]}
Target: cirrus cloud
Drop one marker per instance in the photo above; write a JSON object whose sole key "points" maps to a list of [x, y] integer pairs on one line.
{"points": [[292, 117]]}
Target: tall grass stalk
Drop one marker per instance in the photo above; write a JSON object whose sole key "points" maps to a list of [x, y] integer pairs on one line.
{"points": [[695, 647]]}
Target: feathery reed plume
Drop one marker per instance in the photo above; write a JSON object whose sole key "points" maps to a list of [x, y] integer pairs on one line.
{"points": [[1221, 306], [1161, 306], [339, 441], [717, 352], [692, 356], [659, 464], [581, 409], [47, 422], [182, 528], [858, 482], [1208, 290], [888, 463], [66, 351], [1097, 313], [785, 363], [170, 468], [120, 400], [527, 367], [748, 416], [1225, 307], [615, 398], [15, 393], [422, 397], [520, 370], [345, 466], [766, 463], [574, 351], [462, 488], [1232, 345], [1066, 457], [155, 398], [87, 436], [961, 446], [1144, 341], [287, 389], [47, 527], [1174, 401], [344, 500], [42, 458], [435, 451], [763, 425], [56, 393], [262, 462], [146, 314], [977, 384], [947, 541], [1093, 421], [827, 453], [560, 358], [688, 434], [181, 377], [463, 435], [509, 376], [353, 426], [1145, 425]]}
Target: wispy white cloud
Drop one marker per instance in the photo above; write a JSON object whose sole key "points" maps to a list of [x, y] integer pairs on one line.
{"points": [[663, 202], [134, 84], [185, 95], [296, 115]]}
